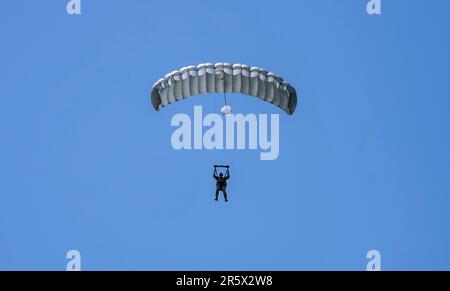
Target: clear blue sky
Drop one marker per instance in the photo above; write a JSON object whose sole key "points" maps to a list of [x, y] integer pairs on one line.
{"points": [[86, 163]]}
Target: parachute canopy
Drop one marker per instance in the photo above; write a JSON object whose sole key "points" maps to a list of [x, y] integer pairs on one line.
{"points": [[224, 78]]}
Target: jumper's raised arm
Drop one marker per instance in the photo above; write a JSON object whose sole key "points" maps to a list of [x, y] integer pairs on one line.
{"points": [[227, 174]]}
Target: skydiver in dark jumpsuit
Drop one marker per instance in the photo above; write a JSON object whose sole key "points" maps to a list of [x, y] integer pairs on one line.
{"points": [[221, 183]]}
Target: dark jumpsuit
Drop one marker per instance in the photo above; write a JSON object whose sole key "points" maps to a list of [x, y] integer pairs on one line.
{"points": [[221, 185]]}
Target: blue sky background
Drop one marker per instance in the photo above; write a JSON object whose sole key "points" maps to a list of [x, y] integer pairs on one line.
{"points": [[86, 163]]}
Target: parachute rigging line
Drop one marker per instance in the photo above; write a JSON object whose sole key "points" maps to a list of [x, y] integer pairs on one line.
{"points": [[224, 93], [225, 98]]}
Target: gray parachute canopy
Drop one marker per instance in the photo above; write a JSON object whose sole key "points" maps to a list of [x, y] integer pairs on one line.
{"points": [[220, 78]]}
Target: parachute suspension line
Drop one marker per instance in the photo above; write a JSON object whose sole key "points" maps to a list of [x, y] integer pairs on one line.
{"points": [[225, 98], [225, 109], [222, 77]]}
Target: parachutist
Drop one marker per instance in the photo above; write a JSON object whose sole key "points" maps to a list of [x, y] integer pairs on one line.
{"points": [[221, 182]]}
